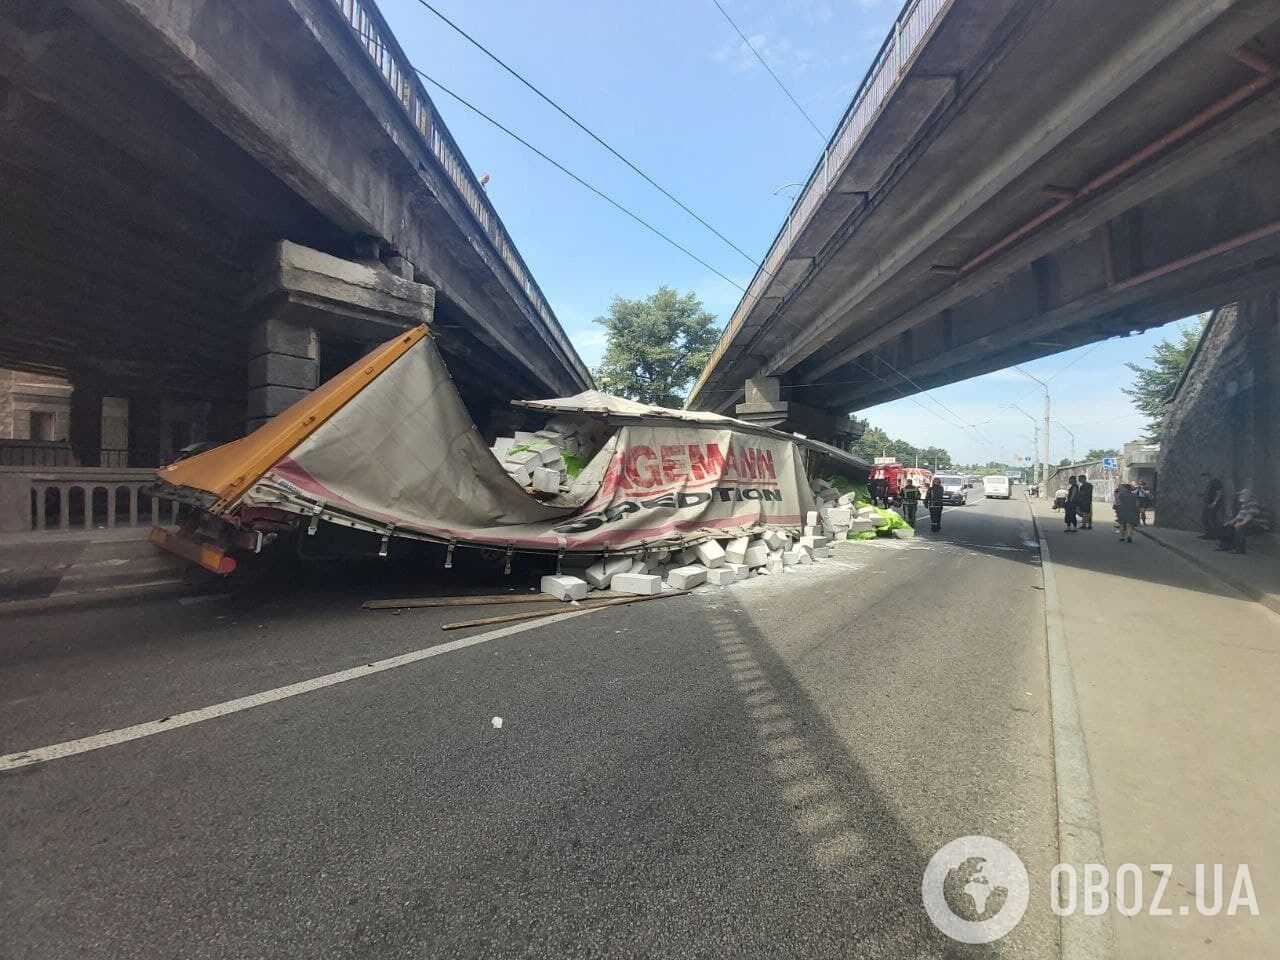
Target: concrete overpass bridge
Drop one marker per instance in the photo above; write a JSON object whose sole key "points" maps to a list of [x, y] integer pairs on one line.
{"points": [[208, 206], [1015, 178]]}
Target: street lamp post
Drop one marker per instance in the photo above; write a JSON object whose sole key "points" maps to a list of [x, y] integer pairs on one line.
{"points": [[1035, 424], [1044, 463]]}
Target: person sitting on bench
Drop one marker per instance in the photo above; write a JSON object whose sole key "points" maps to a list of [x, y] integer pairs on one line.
{"points": [[1248, 519]]}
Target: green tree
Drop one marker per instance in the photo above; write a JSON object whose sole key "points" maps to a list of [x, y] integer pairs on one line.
{"points": [[1097, 454], [876, 443], [1151, 385], [656, 346]]}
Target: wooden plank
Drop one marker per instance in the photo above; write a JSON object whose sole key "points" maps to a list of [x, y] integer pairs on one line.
{"points": [[563, 608], [412, 602]]}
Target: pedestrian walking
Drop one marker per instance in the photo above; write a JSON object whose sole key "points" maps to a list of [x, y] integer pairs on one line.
{"points": [[1069, 506], [1126, 512], [934, 501], [1084, 503], [910, 502], [1214, 511]]}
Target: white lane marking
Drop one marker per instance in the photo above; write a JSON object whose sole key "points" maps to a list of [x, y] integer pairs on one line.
{"points": [[70, 748]]}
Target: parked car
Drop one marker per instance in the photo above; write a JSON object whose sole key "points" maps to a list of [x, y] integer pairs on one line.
{"points": [[954, 488]]}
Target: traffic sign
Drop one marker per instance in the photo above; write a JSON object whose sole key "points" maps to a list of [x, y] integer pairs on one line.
{"points": [[1108, 463]]}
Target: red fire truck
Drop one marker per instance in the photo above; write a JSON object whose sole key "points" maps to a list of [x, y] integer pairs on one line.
{"points": [[897, 475]]}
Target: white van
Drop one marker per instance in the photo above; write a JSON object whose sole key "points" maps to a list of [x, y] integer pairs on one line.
{"points": [[997, 486]]}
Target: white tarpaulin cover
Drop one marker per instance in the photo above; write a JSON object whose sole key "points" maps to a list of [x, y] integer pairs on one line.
{"points": [[403, 458]]}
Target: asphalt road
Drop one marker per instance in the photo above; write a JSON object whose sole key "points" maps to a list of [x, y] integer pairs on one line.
{"points": [[759, 770]]}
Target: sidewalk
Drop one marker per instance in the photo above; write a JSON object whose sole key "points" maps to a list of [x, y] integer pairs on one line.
{"points": [[1176, 677], [1256, 574], [57, 568]]}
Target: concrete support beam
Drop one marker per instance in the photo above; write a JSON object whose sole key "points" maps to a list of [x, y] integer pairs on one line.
{"points": [[303, 293]]}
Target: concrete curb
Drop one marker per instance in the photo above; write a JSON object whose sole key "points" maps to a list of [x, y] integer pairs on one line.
{"points": [[1270, 601], [1081, 937], [104, 596]]}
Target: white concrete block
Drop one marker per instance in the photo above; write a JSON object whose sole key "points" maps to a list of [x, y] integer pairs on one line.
{"points": [[639, 565], [521, 475], [773, 539], [774, 566], [553, 435], [848, 499], [811, 518], [811, 530], [821, 553], [524, 436], [710, 554], [683, 578], [502, 446], [736, 551], [790, 557], [565, 588], [740, 570], [814, 541], [837, 516], [721, 576], [756, 555], [523, 458], [803, 555], [642, 584], [546, 481], [602, 572], [860, 525], [904, 533], [549, 453]]}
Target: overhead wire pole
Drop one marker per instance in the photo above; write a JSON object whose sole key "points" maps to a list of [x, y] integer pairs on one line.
{"points": [[1044, 463]]}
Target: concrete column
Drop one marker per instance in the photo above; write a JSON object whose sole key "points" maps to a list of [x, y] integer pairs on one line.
{"points": [[284, 366], [303, 295], [86, 417]]}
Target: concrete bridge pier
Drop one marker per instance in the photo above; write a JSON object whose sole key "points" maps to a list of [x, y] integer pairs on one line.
{"points": [[316, 314], [765, 405]]}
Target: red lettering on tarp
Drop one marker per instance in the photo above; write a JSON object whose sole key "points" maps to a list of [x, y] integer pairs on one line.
{"points": [[715, 461], [730, 462], [765, 464], [673, 463], [747, 465], [638, 474]]}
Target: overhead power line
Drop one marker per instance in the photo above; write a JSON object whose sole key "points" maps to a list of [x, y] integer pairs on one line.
{"points": [[588, 131], [776, 79], [577, 179]]}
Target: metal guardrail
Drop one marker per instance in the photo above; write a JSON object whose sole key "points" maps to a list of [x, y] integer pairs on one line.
{"points": [[375, 36], [910, 31]]}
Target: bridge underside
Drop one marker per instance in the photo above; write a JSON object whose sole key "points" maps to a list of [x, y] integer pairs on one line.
{"points": [[142, 245], [1021, 195]]}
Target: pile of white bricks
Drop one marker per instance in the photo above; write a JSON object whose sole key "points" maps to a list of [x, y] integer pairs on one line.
{"points": [[722, 561], [536, 460]]}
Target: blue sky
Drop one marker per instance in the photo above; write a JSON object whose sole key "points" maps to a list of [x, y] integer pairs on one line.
{"points": [[672, 87]]}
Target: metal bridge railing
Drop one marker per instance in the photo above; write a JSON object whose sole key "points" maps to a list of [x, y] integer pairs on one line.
{"points": [[910, 31], [375, 36]]}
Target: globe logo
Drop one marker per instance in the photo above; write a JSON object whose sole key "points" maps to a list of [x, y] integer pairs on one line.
{"points": [[975, 889]]}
